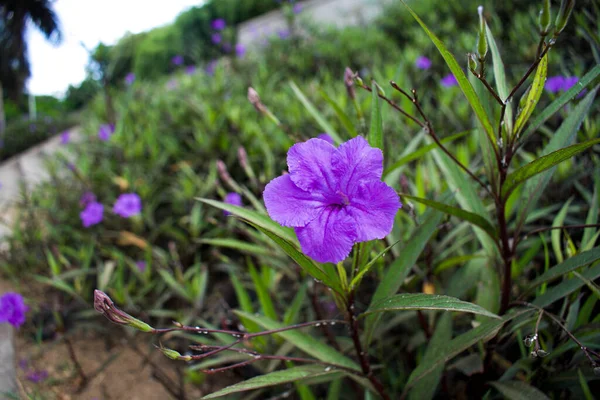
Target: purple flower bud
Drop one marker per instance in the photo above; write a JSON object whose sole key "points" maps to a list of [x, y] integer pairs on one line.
{"points": [[141, 265], [243, 157], [105, 306], [92, 214], [190, 69], [105, 131], [218, 24], [234, 199], [37, 376], [129, 79], [240, 50], [216, 38], [449, 80], [128, 205], [349, 82], [87, 198], [12, 309], [65, 137], [423, 62], [177, 60]]}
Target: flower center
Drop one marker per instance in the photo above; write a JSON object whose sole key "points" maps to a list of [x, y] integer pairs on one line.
{"points": [[345, 199]]}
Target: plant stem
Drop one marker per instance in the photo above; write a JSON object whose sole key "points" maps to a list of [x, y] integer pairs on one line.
{"points": [[362, 356]]}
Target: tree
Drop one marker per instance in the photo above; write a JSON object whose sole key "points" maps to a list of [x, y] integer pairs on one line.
{"points": [[14, 63]]}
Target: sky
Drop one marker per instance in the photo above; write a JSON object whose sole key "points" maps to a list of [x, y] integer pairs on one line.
{"points": [[54, 68]]}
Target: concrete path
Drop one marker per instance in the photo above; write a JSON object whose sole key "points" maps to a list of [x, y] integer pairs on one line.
{"points": [[8, 382]]}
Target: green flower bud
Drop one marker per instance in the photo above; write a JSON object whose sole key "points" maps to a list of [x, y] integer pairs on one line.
{"points": [[482, 46], [472, 62], [566, 8], [544, 18], [174, 355]]}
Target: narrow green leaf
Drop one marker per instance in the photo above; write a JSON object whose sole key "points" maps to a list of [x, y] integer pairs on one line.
{"points": [[370, 264], [376, 131], [291, 314], [470, 217], [244, 247], [264, 297], [566, 287], [592, 217], [312, 110], [542, 164], [257, 219], [174, 285], [294, 374], [533, 95], [425, 389], [500, 76], [517, 390], [304, 342], [463, 81], [570, 264], [488, 290], [584, 385], [422, 301], [454, 347], [342, 116], [591, 285], [555, 234], [561, 101]]}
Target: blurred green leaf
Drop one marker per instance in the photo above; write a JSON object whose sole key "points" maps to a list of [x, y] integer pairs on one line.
{"points": [[500, 76], [556, 233], [342, 116], [488, 290], [570, 264], [242, 246], [376, 130], [264, 297], [566, 287], [517, 390], [533, 95]]}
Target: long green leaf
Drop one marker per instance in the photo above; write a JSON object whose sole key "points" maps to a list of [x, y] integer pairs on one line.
{"points": [[422, 301], [376, 131], [463, 82], [561, 101], [294, 374], [244, 247], [533, 95], [342, 116], [425, 389], [517, 390], [542, 164], [257, 219], [566, 287], [304, 342], [468, 216], [499, 76], [370, 264], [312, 110]]}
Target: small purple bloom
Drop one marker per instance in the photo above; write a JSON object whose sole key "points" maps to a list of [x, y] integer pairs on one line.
{"points": [[327, 138], [297, 8], [218, 24], [569, 82], [24, 364], [283, 34], [141, 265], [92, 214], [554, 84], [105, 131], [129, 79], [216, 38], [128, 205], [234, 199], [423, 63], [240, 50], [12, 309], [37, 376], [87, 198], [177, 60], [190, 69], [65, 137], [333, 197], [449, 80]]}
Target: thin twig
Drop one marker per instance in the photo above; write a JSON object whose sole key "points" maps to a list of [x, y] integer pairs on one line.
{"points": [[549, 228], [396, 106]]}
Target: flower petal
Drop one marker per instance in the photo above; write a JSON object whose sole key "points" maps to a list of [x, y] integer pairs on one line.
{"points": [[309, 164], [355, 162], [329, 237], [373, 208], [290, 205]]}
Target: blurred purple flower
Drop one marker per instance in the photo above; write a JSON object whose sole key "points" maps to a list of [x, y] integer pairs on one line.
{"points": [[234, 199], [283, 34], [37, 376], [177, 60], [218, 24], [327, 138], [92, 214], [12, 309], [333, 197], [240, 50], [128, 205], [129, 79], [569, 82], [216, 38], [554, 84], [24, 364], [141, 265], [65, 137], [449, 80], [190, 69], [423, 62], [297, 8], [211, 66], [105, 131], [87, 198]]}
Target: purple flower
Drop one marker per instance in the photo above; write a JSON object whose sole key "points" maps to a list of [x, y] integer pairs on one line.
{"points": [[240, 50], [218, 24], [177, 60], [569, 82], [65, 137], [423, 62], [129, 79], [190, 69], [216, 38], [12, 309], [210, 67], [37, 376], [297, 8], [105, 131], [333, 197], [554, 84], [234, 199], [92, 214], [283, 34], [449, 80], [326, 137], [141, 265], [128, 205], [87, 198]]}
